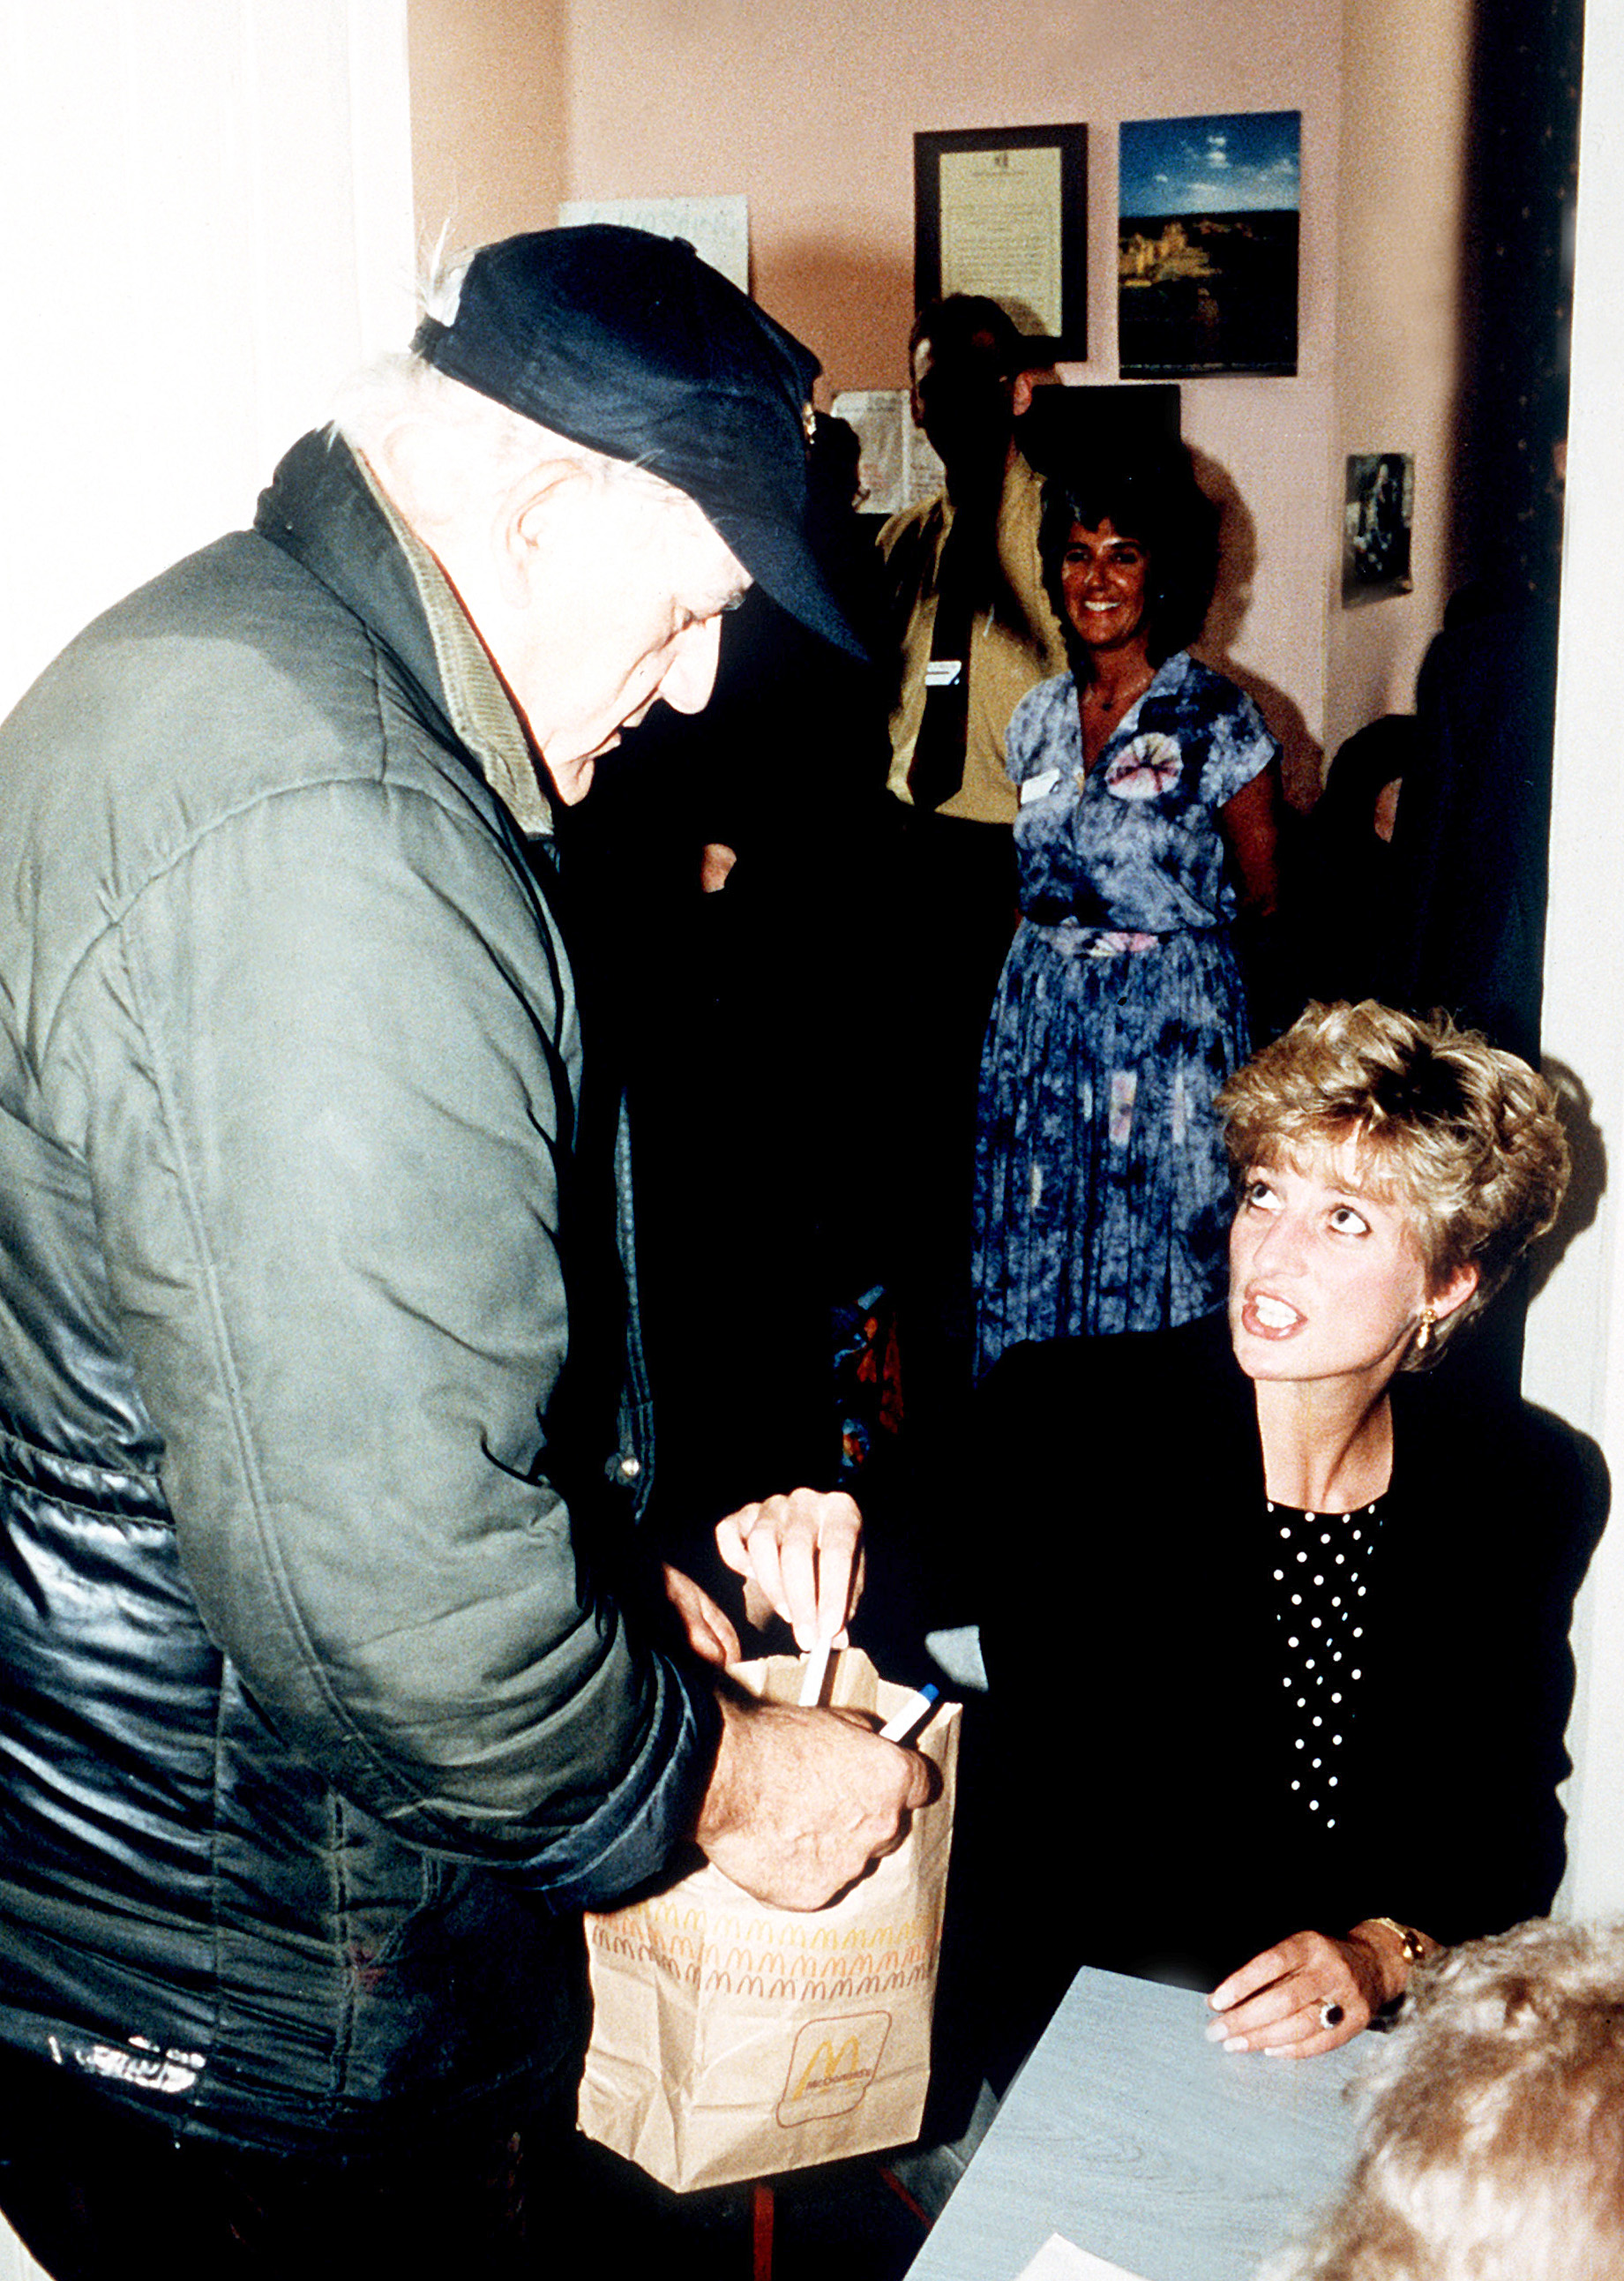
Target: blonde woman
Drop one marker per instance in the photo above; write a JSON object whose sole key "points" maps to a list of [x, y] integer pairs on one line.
{"points": [[1315, 1664]]}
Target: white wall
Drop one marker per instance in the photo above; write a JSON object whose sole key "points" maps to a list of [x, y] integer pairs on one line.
{"points": [[208, 221], [209, 207], [1575, 1360]]}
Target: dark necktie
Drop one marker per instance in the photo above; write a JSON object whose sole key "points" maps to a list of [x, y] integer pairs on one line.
{"points": [[937, 768]]}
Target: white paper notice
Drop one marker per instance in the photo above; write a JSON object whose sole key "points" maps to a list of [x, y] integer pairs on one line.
{"points": [[1059, 2260], [717, 228], [898, 467]]}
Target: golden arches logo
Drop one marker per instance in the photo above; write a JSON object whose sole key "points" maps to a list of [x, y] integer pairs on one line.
{"points": [[838, 2068], [832, 2065], [669, 1928]]}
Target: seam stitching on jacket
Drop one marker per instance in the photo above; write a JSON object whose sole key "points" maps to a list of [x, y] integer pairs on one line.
{"points": [[378, 780], [231, 1388]]}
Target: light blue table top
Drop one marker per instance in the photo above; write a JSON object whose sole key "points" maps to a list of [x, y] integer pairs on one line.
{"points": [[1130, 2134]]}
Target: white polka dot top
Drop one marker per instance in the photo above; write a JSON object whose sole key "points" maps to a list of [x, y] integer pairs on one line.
{"points": [[1321, 1569]]}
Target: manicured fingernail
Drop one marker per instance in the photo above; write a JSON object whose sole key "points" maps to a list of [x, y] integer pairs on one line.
{"points": [[1216, 2033], [1235, 2043]]}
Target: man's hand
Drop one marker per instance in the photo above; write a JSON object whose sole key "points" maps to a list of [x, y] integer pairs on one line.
{"points": [[804, 1551], [709, 1634], [800, 1802]]}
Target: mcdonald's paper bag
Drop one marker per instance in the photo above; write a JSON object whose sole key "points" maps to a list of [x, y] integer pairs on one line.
{"points": [[731, 2040]]}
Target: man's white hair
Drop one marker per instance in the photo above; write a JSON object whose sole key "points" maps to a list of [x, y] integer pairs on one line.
{"points": [[470, 438], [475, 439]]}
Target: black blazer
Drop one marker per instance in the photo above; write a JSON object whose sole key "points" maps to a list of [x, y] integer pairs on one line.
{"points": [[1130, 1639]]}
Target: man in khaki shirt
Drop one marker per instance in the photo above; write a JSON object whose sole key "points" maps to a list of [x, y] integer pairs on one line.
{"points": [[971, 631], [967, 403]]}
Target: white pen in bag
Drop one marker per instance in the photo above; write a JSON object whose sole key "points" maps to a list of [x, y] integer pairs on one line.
{"points": [[913, 1713]]}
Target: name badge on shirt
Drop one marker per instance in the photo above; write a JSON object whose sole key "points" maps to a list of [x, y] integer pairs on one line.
{"points": [[943, 672], [1039, 787]]}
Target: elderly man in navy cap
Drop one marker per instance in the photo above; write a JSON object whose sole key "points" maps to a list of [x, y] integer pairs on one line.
{"points": [[331, 1682]]}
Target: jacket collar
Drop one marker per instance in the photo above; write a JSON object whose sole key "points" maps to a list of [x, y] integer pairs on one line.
{"points": [[324, 507]]}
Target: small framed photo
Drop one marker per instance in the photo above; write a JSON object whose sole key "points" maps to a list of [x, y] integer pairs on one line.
{"points": [[1003, 211], [1375, 532]]}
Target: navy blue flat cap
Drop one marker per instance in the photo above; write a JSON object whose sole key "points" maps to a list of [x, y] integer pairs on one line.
{"points": [[632, 345]]}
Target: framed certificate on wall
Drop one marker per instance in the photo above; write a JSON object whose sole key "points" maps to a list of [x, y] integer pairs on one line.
{"points": [[1003, 211]]}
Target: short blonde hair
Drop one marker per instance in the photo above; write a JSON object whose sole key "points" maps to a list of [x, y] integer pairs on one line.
{"points": [[1492, 2147], [1465, 1134]]}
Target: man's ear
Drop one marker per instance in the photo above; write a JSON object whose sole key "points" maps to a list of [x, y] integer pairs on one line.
{"points": [[534, 521], [1020, 393]]}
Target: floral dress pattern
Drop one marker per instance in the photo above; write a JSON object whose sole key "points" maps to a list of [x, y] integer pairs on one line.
{"points": [[1102, 1192]]}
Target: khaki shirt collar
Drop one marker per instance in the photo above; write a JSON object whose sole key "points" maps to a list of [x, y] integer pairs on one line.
{"points": [[480, 708]]}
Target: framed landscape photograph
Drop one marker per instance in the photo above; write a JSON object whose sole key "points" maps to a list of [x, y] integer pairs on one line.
{"points": [[1207, 244], [1003, 211]]}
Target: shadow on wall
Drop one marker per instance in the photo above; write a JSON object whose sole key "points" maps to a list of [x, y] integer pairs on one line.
{"points": [[853, 312], [1303, 757], [1588, 1183]]}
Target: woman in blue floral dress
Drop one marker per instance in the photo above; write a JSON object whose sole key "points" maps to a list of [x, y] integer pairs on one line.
{"points": [[1149, 786]]}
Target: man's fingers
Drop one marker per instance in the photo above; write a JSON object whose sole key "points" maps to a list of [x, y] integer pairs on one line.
{"points": [[923, 1780], [801, 1802], [805, 1552]]}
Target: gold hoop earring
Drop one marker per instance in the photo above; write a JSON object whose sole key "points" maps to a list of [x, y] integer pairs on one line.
{"points": [[1424, 1330]]}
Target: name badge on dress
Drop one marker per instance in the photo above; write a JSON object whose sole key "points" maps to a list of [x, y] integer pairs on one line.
{"points": [[1039, 787], [943, 672]]}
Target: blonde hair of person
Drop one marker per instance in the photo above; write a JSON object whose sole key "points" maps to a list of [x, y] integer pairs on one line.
{"points": [[1493, 2143], [1463, 1133]]}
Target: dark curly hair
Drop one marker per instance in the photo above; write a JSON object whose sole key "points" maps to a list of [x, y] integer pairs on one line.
{"points": [[1152, 497]]}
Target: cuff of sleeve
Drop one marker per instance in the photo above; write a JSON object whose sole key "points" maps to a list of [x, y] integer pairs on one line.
{"points": [[652, 1809]]}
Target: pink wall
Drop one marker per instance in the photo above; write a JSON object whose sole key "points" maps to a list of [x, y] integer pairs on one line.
{"points": [[488, 117], [810, 107], [1402, 190]]}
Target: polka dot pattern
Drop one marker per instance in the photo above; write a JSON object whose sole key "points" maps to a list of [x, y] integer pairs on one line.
{"points": [[1322, 1570]]}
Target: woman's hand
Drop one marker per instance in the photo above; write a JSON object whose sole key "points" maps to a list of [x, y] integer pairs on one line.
{"points": [[1249, 823], [1307, 1994], [804, 1551], [710, 1635]]}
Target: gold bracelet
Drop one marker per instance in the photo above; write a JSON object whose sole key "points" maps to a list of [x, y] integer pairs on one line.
{"points": [[1412, 1943]]}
